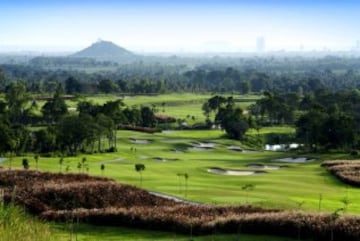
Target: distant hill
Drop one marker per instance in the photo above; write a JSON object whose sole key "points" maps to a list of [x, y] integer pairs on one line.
{"points": [[106, 51]]}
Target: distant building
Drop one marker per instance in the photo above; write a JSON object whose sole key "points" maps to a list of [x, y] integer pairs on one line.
{"points": [[260, 45], [357, 46]]}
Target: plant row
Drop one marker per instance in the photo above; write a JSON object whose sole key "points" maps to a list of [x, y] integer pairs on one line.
{"points": [[348, 171], [102, 201]]}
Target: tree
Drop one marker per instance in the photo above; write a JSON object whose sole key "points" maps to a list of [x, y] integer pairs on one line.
{"points": [[247, 188], [25, 163], [74, 132], [55, 109], [3, 81], [36, 157], [44, 140], [72, 86], [17, 99], [147, 117], [105, 127], [186, 178], [102, 168], [107, 86], [244, 87], [83, 164], [140, 168], [7, 139], [232, 121], [88, 108], [61, 162]]}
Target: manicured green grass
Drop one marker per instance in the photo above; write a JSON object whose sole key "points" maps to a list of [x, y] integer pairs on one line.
{"points": [[298, 185], [181, 106], [95, 233]]}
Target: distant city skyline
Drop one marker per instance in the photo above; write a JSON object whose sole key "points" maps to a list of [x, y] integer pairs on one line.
{"points": [[175, 26]]}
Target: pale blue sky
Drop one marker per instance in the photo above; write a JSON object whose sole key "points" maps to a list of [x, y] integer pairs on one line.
{"points": [[179, 25]]}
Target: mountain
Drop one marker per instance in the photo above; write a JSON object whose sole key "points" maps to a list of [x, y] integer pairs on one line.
{"points": [[106, 51]]}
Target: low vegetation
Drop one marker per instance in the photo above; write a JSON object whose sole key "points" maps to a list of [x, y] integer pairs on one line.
{"points": [[348, 171], [15, 224], [101, 201]]}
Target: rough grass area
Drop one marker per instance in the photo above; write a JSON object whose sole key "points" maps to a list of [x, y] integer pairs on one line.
{"points": [[15, 224], [101, 201]]}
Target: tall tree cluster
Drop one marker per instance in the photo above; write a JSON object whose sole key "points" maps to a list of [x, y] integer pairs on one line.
{"points": [[92, 128], [323, 119], [228, 116]]}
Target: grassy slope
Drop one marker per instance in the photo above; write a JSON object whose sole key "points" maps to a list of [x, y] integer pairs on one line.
{"points": [[176, 105], [284, 188], [96, 233], [15, 224]]}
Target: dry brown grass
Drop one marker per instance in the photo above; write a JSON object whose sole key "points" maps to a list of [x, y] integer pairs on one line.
{"points": [[348, 171], [102, 201]]}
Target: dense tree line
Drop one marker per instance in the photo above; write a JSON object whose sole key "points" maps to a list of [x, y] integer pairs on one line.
{"points": [[61, 131], [240, 75], [324, 119], [227, 116]]}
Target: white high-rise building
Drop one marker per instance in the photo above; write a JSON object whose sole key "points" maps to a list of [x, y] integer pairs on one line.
{"points": [[260, 44]]}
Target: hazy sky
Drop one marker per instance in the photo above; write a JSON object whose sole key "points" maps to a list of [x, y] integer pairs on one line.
{"points": [[222, 25]]}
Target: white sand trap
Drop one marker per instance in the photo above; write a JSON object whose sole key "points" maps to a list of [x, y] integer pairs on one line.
{"points": [[2, 159], [143, 157], [159, 159], [282, 147], [137, 141], [262, 166], [177, 151], [204, 145], [235, 148], [294, 160], [199, 149], [232, 172]]}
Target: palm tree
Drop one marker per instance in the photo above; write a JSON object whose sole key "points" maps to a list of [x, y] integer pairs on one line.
{"points": [[247, 188], [36, 157], [102, 167], [61, 162], [25, 163], [139, 168]]}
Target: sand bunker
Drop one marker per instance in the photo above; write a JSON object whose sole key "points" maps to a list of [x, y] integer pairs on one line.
{"points": [[202, 146], [199, 149], [159, 159], [294, 160], [233, 172], [282, 147], [207, 145], [139, 141], [235, 148], [2, 159], [265, 167]]}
